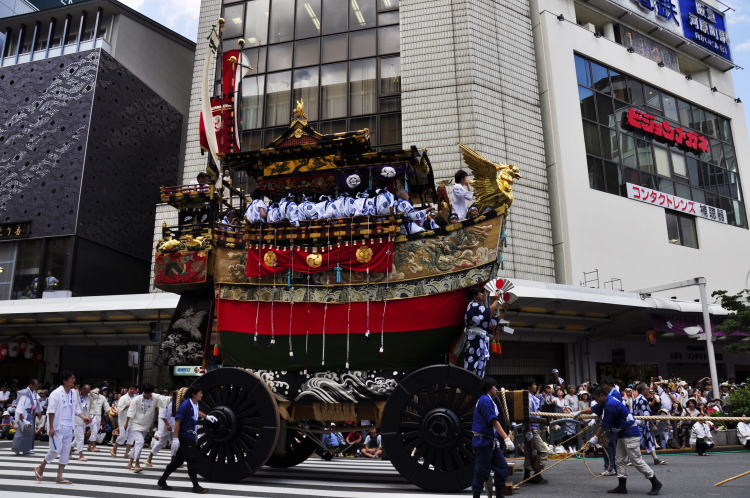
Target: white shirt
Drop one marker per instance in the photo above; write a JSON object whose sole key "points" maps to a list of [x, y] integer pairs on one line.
{"points": [[142, 411], [666, 401], [196, 411], [743, 432], [28, 404], [65, 406], [252, 214], [4, 395], [700, 430], [165, 414], [462, 199], [122, 409]]}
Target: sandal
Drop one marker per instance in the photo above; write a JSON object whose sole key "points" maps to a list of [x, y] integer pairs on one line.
{"points": [[37, 474], [63, 481]]}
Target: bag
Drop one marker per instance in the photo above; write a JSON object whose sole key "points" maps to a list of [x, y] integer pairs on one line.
{"points": [[458, 348]]}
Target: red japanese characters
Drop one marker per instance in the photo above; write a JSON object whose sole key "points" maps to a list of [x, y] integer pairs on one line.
{"points": [[689, 140]]}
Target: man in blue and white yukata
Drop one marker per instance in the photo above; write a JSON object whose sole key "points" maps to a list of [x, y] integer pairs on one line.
{"points": [[480, 323], [641, 408], [413, 218], [26, 409], [289, 210], [257, 210], [616, 417], [488, 452]]}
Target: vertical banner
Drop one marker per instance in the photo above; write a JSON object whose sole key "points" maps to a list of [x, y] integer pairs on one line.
{"points": [[188, 330], [224, 108]]}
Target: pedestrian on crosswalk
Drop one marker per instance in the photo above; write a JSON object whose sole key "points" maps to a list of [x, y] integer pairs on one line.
{"points": [[141, 415], [62, 408], [163, 435], [124, 439], [79, 430], [184, 438], [26, 410]]}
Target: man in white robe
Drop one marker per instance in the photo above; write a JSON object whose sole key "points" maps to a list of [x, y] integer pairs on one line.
{"points": [[463, 197], [124, 439]]}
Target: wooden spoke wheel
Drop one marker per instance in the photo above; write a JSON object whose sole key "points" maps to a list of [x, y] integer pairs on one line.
{"points": [[245, 435], [298, 448], [426, 427]]}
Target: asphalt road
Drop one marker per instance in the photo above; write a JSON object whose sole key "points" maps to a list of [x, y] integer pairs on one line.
{"points": [[686, 475]]}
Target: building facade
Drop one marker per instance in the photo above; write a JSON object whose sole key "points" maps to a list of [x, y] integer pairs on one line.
{"points": [[93, 103]]}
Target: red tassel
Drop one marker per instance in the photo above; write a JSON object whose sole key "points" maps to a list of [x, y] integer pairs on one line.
{"points": [[216, 350]]}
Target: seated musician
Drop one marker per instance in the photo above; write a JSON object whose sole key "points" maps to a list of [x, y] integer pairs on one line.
{"points": [[343, 206], [288, 210], [257, 210], [384, 202], [202, 182], [324, 206], [413, 219], [274, 213], [364, 205], [231, 221], [307, 209]]}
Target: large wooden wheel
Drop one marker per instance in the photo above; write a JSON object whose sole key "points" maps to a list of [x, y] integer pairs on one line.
{"points": [[247, 428], [426, 427], [297, 448]]}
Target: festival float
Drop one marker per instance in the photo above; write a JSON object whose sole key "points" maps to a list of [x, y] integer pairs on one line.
{"points": [[328, 324]]}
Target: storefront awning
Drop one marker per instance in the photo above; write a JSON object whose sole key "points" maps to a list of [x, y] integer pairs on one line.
{"points": [[123, 319]]}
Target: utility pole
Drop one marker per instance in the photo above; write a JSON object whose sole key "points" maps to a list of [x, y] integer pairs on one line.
{"points": [[701, 283]]}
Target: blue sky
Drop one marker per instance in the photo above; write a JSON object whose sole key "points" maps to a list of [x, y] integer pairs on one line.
{"points": [[182, 17]]}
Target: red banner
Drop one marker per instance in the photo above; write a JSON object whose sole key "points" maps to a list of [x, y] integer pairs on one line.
{"points": [[223, 108], [266, 260], [401, 315]]}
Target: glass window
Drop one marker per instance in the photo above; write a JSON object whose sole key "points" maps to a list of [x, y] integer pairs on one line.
{"points": [[610, 144], [620, 87], [627, 148], [635, 89], [591, 138], [696, 118], [673, 228], [280, 56], [363, 93], [282, 21], [678, 163], [233, 21], [605, 110], [28, 280], [257, 58], [334, 48], [388, 40], [333, 90], [688, 234], [59, 253], [362, 44], [653, 99], [369, 122], [256, 22], [588, 108], [330, 127], [596, 174], [278, 98], [390, 104], [725, 130], [630, 175], [390, 129], [661, 155], [388, 18], [698, 195], [306, 88], [682, 190], [666, 186], [252, 102], [583, 71], [645, 157], [670, 108], [390, 75], [612, 177], [362, 14], [7, 258], [600, 77], [307, 52], [335, 14], [308, 18], [683, 109], [252, 140], [387, 4], [711, 124]]}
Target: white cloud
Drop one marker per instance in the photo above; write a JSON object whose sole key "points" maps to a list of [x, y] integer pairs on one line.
{"points": [[742, 47], [178, 15]]}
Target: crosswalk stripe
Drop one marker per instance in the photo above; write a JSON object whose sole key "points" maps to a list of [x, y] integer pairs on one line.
{"points": [[103, 475]]}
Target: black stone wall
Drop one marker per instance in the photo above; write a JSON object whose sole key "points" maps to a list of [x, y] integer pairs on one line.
{"points": [[133, 148], [44, 116]]}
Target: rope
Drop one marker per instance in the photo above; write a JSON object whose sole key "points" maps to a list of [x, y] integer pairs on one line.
{"points": [[504, 404], [651, 417]]}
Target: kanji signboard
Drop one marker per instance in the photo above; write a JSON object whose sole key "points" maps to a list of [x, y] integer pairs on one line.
{"points": [[635, 119], [14, 230], [669, 201], [706, 26]]}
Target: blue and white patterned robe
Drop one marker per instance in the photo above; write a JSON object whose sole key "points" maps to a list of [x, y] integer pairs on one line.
{"points": [[479, 325], [640, 409], [252, 214]]}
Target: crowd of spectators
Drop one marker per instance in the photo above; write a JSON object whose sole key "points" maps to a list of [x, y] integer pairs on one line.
{"points": [[672, 396]]}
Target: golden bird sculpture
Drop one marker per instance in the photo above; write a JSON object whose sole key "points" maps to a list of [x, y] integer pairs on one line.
{"points": [[299, 111], [493, 182]]}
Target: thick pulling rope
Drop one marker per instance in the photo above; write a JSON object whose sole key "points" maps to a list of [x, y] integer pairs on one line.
{"points": [[704, 418]]}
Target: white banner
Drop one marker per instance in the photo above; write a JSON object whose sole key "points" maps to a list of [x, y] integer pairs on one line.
{"points": [[669, 201]]}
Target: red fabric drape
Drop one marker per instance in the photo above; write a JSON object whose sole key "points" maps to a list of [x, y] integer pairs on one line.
{"points": [[222, 108], [401, 315], [375, 256]]}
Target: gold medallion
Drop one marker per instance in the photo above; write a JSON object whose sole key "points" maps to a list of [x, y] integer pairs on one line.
{"points": [[314, 260], [269, 258], [364, 254]]}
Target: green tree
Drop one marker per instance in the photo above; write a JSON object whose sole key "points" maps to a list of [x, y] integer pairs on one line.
{"points": [[738, 306], [739, 401]]}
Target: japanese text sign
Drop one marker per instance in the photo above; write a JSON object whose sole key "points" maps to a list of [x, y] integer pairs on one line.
{"points": [[669, 201], [705, 26], [14, 230], [665, 13], [636, 119]]}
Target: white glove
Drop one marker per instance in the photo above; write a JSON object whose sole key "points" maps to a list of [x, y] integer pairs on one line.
{"points": [[212, 419], [175, 445], [593, 441], [509, 446], [529, 436], [26, 423]]}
